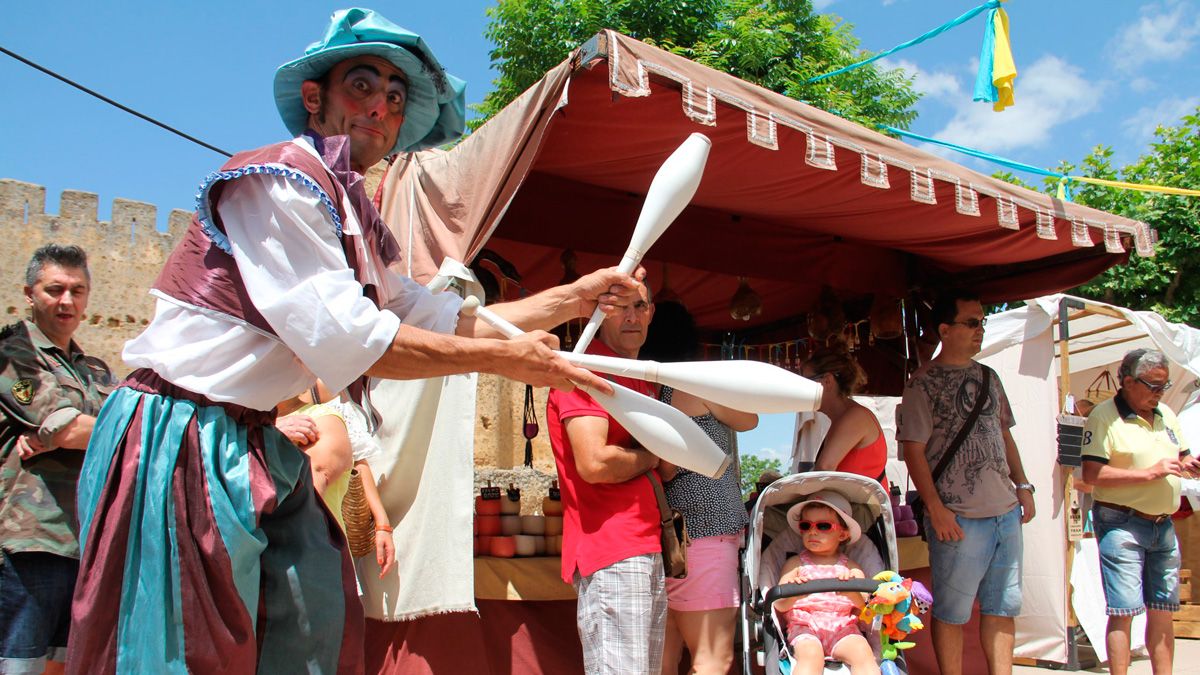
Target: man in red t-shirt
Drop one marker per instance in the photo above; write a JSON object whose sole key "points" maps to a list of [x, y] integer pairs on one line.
{"points": [[611, 550]]}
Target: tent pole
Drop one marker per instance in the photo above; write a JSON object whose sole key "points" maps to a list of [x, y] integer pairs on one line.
{"points": [[1068, 483]]}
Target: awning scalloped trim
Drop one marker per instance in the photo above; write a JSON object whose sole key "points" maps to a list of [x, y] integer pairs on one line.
{"points": [[700, 105]]}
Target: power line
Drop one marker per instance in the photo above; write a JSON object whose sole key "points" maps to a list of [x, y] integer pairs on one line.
{"points": [[111, 102]]}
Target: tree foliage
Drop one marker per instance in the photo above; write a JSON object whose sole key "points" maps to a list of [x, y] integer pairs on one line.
{"points": [[1167, 283], [752, 467], [778, 44]]}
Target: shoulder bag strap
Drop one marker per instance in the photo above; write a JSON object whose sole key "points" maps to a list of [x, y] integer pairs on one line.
{"points": [[663, 508], [948, 456]]}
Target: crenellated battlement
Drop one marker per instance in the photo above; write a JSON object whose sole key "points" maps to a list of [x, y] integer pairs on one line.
{"points": [[124, 254]]}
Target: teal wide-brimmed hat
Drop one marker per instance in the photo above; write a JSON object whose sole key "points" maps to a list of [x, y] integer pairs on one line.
{"points": [[436, 109]]}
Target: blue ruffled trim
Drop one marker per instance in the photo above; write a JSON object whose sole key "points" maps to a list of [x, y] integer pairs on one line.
{"points": [[204, 213]]}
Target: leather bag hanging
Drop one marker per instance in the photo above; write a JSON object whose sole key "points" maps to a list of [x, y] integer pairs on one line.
{"points": [[675, 538]]}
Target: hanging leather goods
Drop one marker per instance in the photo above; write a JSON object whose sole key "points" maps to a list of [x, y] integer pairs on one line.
{"points": [[529, 426]]}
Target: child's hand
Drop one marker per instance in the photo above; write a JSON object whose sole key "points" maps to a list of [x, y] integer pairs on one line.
{"points": [[797, 576], [857, 574], [844, 574], [385, 552]]}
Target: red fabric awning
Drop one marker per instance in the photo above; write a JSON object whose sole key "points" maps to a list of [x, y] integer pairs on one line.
{"points": [[792, 197]]}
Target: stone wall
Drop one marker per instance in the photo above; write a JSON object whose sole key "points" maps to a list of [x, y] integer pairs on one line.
{"points": [[125, 256]]}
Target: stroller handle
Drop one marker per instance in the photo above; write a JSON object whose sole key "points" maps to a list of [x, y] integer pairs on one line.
{"points": [[817, 586]]}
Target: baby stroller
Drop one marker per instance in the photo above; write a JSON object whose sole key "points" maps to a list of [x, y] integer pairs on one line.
{"points": [[771, 542]]}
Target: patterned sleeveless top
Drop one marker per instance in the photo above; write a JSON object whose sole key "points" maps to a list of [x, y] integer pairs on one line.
{"points": [[711, 507]]}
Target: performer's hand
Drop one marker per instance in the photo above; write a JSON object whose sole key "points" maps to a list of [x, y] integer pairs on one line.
{"points": [[535, 361], [385, 552], [945, 523], [1025, 497], [299, 429], [28, 446], [608, 288]]}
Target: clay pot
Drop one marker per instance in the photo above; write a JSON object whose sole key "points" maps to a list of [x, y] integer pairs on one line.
{"points": [[483, 545], [526, 545], [554, 525], [533, 525], [487, 507], [552, 507], [488, 526], [510, 525], [504, 547]]}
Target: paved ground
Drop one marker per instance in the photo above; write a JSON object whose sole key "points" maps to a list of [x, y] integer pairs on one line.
{"points": [[1187, 662]]}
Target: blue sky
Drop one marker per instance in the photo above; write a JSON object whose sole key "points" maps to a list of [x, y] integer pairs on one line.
{"points": [[1091, 72]]}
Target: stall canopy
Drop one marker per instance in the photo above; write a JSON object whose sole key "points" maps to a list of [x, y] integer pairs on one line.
{"points": [[793, 198]]}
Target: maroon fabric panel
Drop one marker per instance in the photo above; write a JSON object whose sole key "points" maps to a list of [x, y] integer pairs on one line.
{"points": [[921, 659], [219, 633], [507, 638], [203, 275], [95, 607]]}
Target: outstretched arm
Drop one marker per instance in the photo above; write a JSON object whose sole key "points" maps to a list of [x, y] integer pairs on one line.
{"points": [[606, 288]]}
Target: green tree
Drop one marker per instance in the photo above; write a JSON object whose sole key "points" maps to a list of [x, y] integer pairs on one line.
{"points": [[1167, 283], [778, 44], [752, 467]]}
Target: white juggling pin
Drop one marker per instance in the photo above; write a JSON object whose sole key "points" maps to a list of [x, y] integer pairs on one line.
{"points": [[660, 428], [672, 188], [751, 386]]}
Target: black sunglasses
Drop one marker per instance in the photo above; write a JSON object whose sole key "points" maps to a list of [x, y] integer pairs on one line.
{"points": [[972, 323], [1156, 388]]}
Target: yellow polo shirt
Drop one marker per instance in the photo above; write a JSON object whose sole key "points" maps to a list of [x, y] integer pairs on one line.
{"points": [[1117, 436]]}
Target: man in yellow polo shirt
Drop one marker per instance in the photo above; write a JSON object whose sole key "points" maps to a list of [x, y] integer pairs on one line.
{"points": [[1134, 454]]}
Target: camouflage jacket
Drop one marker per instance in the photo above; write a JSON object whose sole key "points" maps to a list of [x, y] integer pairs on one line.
{"points": [[42, 390]]}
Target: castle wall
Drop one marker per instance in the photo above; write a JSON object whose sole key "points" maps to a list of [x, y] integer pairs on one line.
{"points": [[124, 256]]}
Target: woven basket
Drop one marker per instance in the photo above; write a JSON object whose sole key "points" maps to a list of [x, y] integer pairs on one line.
{"points": [[357, 516], [1102, 388]]}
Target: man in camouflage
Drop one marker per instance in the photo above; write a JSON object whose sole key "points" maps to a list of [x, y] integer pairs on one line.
{"points": [[50, 393]]}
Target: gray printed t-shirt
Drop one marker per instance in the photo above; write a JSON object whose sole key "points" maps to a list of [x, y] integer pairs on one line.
{"points": [[937, 401]]}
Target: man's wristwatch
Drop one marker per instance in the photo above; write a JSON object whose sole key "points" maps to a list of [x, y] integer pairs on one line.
{"points": [[1025, 486]]}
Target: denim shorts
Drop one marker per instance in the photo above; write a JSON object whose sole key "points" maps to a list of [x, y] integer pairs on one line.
{"points": [[35, 609], [984, 564], [1139, 562]]}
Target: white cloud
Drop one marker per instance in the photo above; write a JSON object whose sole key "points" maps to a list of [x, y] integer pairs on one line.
{"points": [[939, 84], [1049, 93], [1167, 113], [1141, 85], [1164, 32]]}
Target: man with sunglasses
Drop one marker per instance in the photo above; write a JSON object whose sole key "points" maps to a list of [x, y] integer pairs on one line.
{"points": [[1134, 454], [975, 507]]}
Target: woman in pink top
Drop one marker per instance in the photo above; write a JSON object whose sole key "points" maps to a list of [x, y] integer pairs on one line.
{"points": [[824, 624], [855, 443]]}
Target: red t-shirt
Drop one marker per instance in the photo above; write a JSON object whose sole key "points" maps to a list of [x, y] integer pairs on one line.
{"points": [[602, 523]]}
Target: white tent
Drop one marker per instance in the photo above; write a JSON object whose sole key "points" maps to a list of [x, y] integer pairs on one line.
{"points": [[1041, 365]]}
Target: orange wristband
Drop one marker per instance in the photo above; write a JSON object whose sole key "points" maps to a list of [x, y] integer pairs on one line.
{"points": [[383, 528]]}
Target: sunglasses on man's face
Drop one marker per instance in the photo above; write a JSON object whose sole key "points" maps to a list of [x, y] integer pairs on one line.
{"points": [[1155, 388], [821, 525], [972, 323]]}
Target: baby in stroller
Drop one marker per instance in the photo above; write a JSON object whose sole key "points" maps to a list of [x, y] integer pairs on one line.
{"points": [[825, 624], [772, 541]]}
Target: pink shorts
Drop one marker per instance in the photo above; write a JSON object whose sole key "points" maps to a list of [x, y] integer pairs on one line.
{"points": [[712, 580]]}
